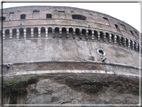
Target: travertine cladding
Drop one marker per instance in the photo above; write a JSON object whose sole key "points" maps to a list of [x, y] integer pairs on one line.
{"points": [[62, 38]]}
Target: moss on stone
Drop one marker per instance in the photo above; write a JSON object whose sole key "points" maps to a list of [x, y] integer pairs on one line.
{"points": [[14, 87], [91, 78]]}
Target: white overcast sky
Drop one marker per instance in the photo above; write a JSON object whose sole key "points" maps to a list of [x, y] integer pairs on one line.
{"points": [[127, 12]]}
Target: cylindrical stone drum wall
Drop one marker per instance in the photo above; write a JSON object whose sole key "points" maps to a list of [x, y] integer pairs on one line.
{"points": [[46, 33]]}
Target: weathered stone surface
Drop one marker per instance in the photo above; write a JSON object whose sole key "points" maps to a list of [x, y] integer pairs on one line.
{"points": [[81, 89], [38, 44], [66, 50]]}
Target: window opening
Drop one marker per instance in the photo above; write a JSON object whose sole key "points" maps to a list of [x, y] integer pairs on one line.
{"points": [[11, 12], [23, 16], [72, 11], [132, 33], [123, 26], [48, 16], [137, 33], [35, 10], [131, 44], [61, 11], [2, 18], [105, 18], [126, 42], [122, 41], [101, 52], [107, 38], [117, 27], [80, 17], [101, 37]]}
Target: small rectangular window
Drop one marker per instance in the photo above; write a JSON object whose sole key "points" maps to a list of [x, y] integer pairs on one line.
{"points": [[11, 12], [117, 27], [36, 11], [132, 33], [137, 33], [105, 18], [48, 15], [61, 11], [123, 26], [80, 17], [2, 18], [23, 16]]}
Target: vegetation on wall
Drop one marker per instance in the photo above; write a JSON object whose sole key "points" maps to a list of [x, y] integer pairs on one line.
{"points": [[14, 87]]}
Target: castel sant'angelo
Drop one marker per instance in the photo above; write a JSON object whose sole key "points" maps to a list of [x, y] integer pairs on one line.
{"points": [[65, 55]]}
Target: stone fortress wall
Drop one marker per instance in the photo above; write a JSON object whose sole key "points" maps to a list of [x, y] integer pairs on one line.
{"points": [[35, 34]]}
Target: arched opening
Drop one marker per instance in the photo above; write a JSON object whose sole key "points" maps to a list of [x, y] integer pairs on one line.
{"points": [[96, 35], [107, 38], [57, 32], [122, 41], [89, 35], [50, 35], [79, 17], [77, 32], [117, 27], [64, 33], [14, 34], [135, 46], [126, 42], [35, 32], [101, 37], [117, 40], [70, 33], [138, 48], [131, 44], [23, 16], [83, 34], [7, 34], [42, 32], [28, 33], [112, 38], [21, 33]]}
